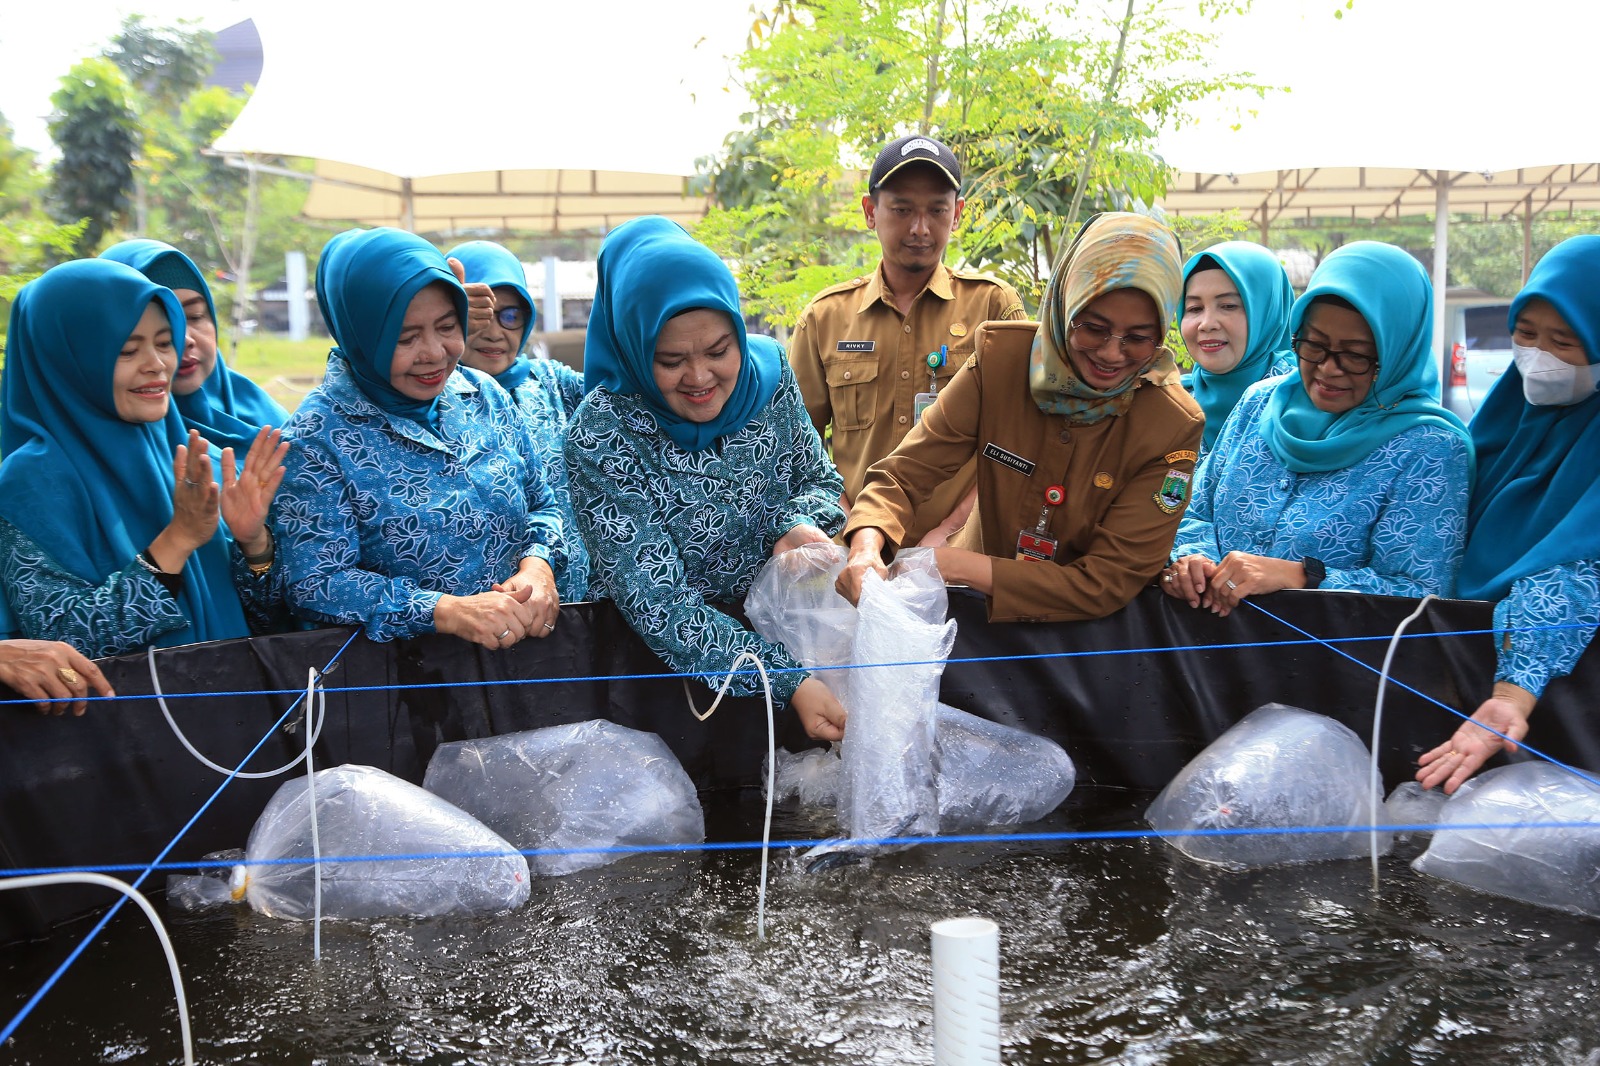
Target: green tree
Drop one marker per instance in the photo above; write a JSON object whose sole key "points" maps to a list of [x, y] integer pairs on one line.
{"points": [[1052, 110], [164, 64], [96, 129]]}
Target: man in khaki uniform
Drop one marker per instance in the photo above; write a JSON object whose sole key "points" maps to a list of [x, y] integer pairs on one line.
{"points": [[860, 352]]}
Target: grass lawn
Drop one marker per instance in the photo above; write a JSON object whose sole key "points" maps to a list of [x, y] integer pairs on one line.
{"points": [[287, 369]]}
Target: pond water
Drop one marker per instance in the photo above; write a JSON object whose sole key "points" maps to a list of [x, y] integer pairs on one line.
{"points": [[1116, 951]]}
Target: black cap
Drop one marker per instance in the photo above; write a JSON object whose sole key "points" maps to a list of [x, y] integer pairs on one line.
{"points": [[911, 149]]}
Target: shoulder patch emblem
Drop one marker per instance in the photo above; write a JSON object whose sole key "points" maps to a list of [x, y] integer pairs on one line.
{"points": [[1179, 457], [1103, 480], [1174, 490]]}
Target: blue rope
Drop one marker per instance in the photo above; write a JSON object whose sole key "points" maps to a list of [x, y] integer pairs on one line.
{"points": [[1078, 836], [670, 676], [11, 1026], [1417, 692]]}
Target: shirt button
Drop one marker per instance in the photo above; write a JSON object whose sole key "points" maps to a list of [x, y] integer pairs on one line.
{"points": [[847, 375], [904, 374], [908, 327], [902, 420]]}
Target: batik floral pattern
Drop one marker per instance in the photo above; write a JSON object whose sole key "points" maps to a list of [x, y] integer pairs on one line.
{"points": [[671, 532], [379, 514], [1551, 617], [1392, 524]]}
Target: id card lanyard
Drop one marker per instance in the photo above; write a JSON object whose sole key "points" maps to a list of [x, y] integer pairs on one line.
{"points": [[924, 400], [1038, 546]]}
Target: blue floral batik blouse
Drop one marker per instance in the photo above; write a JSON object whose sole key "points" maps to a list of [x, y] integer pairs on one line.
{"points": [[379, 514], [672, 531], [1393, 523]]}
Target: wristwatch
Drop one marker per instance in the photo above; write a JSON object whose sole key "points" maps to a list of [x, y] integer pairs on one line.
{"points": [[1316, 573]]}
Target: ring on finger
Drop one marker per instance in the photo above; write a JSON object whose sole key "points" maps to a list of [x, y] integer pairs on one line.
{"points": [[69, 676], [505, 634], [1231, 586], [549, 626], [188, 481]]}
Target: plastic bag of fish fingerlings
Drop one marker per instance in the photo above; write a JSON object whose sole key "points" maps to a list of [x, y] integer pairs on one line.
{"points": [[446, 860], [1552, 867], [1279, 767], [573, 791]]}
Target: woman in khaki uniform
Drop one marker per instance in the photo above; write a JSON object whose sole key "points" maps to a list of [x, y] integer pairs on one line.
{"points": [[1084, 438]]}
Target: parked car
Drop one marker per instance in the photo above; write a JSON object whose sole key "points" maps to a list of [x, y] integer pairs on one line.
{"points": [[1480, 348]]}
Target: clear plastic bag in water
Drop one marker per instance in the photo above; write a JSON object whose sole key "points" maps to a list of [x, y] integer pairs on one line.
{"points": [[1556, 867], [1411, 804], [889, 764], [994, 775], [917, 766], [587, 786], [214, 887], [448, 862], [1279, 767], [987, 774]]}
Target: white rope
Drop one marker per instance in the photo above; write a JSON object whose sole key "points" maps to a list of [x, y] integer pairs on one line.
{"points": [[40, 880], [772, 767], [316, 842], [316, 731], [1377, 725]]}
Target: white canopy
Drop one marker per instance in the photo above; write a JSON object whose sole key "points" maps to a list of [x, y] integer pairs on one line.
{"points": [[538, 115]]}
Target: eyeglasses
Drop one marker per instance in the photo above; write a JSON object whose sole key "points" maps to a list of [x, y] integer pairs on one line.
{"points": [[1350, 362], [512, 317], [1091, 337]]}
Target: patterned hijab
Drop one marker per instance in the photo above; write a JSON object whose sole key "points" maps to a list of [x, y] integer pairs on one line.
{"points": [[497, 267], [89, 488], [1391, 291], [1115, 250], [365, 282], [650, 270], [1264, 289], [1535, 503], [228, 408]]}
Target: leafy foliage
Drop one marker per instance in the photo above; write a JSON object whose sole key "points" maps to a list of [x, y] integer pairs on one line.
{"points": [[95, 127], [1037, 100]]}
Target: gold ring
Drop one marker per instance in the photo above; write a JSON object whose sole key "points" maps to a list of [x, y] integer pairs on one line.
{"points": [[69, 676]]}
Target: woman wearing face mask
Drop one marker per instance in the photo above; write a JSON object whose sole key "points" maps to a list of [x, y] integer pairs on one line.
{"points": [[546, 391], [114, 533], [1236, 300], [411, 505], [226, 407], [1533, 539], [1084, 438], [693, 461], [1348, 475]]}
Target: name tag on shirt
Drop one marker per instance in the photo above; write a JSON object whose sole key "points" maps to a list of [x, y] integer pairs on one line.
{"points": [[1011, 459], [857, 346]]}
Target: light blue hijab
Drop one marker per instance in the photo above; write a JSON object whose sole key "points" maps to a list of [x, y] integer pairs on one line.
{"points": [[1267, 296], [650, 270], [89, 488], [1392, 292], [1536, 501], [365, 282], [228, 408], [497, 267]]}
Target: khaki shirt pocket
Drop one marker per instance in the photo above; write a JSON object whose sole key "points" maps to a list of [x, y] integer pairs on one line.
{"points": [[853, 393]]}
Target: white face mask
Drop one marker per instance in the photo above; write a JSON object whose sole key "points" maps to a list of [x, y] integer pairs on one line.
{"points": [[1551, 382]]}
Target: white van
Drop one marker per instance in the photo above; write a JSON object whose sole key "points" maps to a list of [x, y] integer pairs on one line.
{"points": [[1479, 337]]}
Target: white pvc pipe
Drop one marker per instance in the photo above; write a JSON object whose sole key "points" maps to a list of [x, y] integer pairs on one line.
{"points": [[966, 992]]}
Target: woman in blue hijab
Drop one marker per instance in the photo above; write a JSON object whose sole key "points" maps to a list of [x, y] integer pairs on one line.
{"points": [[226, 407], [1347, 475], [1533, 531], [1236, 301], [693, 461], [546, 391], [411, 505], [110, 538]]}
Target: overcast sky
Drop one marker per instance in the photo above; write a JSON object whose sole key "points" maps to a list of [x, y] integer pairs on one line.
{"points": [[40, 40]]}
